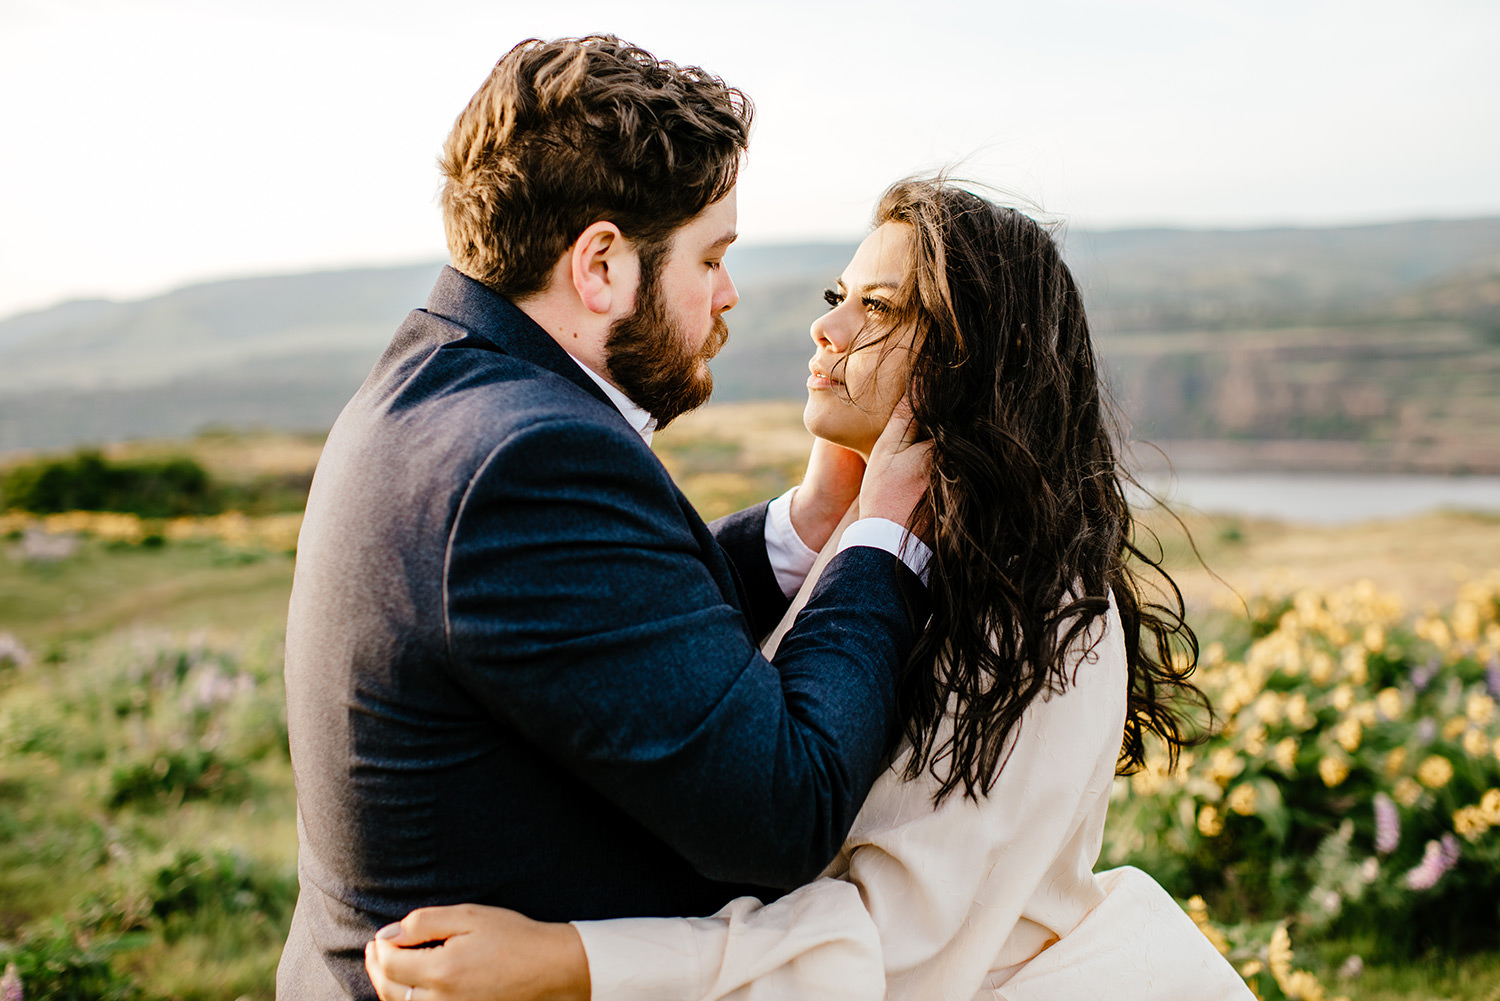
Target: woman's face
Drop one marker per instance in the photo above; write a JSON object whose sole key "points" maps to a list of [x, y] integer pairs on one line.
{"points": [[851, 393]]}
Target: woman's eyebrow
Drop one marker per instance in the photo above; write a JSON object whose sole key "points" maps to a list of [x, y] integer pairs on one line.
{"points": [[883, 284]]}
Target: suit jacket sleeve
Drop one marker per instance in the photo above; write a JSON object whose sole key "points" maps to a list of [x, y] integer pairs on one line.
{"points": [[580, 609], [743, 538]]}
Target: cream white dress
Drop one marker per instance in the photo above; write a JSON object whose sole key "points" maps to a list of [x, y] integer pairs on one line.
{"points": [[994, 899]]}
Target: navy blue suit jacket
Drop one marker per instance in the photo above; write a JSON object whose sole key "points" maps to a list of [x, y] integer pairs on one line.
{"points": [[522, 671]]}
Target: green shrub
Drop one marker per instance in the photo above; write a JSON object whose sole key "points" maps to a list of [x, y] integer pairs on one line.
{"points": [[65, 965], [86, 481], [1354, 785], [175, 776]]}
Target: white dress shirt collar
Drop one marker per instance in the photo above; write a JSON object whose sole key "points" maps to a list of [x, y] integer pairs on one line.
{"points": [[643, 423]]}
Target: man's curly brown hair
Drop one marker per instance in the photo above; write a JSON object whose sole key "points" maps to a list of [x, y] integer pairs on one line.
{"points": [[569, 132]]}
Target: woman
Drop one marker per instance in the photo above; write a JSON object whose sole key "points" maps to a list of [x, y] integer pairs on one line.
{"points": [[968, 873]]}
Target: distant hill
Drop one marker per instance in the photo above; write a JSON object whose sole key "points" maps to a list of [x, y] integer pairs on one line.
{"points": [[1384, 340]]}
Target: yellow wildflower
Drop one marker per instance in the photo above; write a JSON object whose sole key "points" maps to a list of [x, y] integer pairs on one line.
{"points": [[1438, 634], [1406, 792], [1224, 765], [1390, 703], [1435, 772], [1210, 824], [1146, 782], [1320, 670], [1286, 754], [1348, 734], [1198, 911], [1395, 761], [1303, 986], [1469, 823], [1251, 968], [1374, 638], [1333, 769], [180, 529], [1342, 698], [1454, 727], [1269, 707], [1475, 743], [1466, 621], [1489, 805], [1255, 740], [117, 528], [1243, 799], [1296, 712], [1353, 663], [1279, 954], [1480, 709]]}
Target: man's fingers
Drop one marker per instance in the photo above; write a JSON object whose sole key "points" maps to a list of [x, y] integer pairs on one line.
{"points": [[900, 432]]}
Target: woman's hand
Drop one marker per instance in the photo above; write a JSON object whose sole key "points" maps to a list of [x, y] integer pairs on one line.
{"points": [[829, 487], [473, 953]]}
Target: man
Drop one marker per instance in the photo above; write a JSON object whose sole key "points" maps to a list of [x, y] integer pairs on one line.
{"points": [[520, 669]]}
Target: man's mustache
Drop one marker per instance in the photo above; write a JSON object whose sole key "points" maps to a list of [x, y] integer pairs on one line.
{"points": [[717, 338]]}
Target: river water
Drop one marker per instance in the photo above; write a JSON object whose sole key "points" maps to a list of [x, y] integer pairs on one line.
{"points": [[1323, 499]]}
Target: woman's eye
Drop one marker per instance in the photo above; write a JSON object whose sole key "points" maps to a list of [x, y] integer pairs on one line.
{"points": [[875, 305], [833, 297]]}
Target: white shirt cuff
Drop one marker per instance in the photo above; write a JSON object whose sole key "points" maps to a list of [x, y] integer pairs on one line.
{"points": [[790, 558], [646, 959], [882, 533]]}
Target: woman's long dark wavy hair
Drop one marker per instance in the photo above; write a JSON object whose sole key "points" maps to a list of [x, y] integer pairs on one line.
{"points": [[1026, 505]]}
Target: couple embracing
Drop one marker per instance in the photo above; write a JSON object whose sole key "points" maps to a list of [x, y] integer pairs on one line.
{"points": [[555, 737]]}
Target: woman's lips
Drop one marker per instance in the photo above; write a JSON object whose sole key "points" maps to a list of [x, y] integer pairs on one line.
{"points": [[818, 380]]}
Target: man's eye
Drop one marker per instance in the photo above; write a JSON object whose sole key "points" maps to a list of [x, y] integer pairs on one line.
{"points": [[833, 297], [714, 265]]}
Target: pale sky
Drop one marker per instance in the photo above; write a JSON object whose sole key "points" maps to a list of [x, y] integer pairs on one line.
{"points": [[146, 144]]}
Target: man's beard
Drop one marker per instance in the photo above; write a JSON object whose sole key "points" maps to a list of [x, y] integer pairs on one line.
{"points": [[647, 356]]}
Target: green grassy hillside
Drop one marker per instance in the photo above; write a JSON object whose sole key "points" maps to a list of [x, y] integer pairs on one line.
{"points": [[147, 824]]}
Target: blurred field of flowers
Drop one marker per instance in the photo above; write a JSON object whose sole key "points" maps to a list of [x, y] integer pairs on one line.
{"points": [[1338, 836]]}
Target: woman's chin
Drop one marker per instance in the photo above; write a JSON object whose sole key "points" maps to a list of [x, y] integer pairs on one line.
{"points": [[839, 422]]}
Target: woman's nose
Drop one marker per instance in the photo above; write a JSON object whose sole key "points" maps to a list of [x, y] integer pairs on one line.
{"points": [[828, 332]]}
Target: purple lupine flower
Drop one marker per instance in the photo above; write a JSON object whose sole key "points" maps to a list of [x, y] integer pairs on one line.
{"points": [[1437, 859], [10, 984], [1492, 676], [1422, 676], [1426, 730], [1387, 824], [1450, 850]]}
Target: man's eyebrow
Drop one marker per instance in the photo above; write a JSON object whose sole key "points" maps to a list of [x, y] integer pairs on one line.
{"points": [[724, 240]]}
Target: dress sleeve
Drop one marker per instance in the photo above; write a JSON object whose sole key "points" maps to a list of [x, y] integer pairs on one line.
{"points": [[816, 942]]}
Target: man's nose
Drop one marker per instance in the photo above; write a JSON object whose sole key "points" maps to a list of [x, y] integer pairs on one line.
{"points": [[729, 296]]}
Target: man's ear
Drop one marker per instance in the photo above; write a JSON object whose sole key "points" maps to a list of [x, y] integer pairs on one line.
{"points": [[605, 269]]}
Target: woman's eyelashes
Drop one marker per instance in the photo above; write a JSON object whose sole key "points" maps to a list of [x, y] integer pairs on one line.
{"points": [[835, 299]]}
